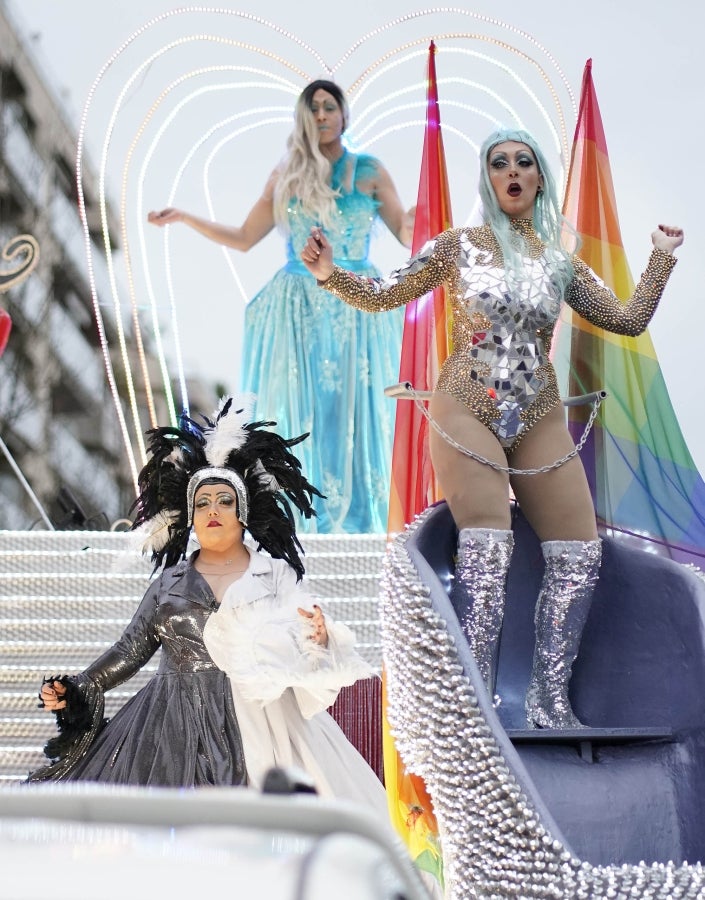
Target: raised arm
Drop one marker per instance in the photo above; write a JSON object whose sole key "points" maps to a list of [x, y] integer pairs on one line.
{"points": [[426, 270], [398, 220], [589, 297], [258, 223]]}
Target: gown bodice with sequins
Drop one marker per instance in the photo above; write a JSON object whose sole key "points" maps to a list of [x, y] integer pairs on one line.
{"points": [[499, 367], [350, 229]]}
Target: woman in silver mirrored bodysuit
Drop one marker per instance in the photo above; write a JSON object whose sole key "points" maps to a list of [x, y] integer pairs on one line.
{"points": [[496, 408]]}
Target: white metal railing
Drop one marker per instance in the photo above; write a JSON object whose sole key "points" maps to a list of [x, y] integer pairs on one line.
{"points": [[75, 353], [12, 516], [26, 164], [28, 425], [68, 229], [82, 469]]}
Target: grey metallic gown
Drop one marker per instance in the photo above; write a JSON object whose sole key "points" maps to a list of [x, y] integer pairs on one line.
{"points": [[181, 728], [240, 688]]}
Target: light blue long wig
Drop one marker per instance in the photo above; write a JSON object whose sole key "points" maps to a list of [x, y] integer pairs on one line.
{"points": [[548, 219]]}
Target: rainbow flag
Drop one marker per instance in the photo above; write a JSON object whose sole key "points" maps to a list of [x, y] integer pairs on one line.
{"points": [[425, 342], [643, 479], [425, 346]]}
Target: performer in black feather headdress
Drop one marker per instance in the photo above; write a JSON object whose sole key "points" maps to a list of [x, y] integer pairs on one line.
{"points": [[257, 462], [248, 664]]}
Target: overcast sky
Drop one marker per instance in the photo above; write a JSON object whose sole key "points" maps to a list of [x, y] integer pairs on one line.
{"points": [[647, 66]]}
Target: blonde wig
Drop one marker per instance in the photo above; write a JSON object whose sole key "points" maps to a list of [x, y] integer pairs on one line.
{"points": [[305, 172]]}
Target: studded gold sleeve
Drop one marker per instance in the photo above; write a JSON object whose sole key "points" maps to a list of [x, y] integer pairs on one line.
{"points": [[589, 297], [426, 270]]}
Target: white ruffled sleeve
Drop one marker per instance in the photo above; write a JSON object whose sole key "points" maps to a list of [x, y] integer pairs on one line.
{"points": [[264, 645]]}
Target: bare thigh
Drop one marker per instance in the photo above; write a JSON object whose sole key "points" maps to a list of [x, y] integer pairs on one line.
{"points": [[477, 495], [557, 503]]}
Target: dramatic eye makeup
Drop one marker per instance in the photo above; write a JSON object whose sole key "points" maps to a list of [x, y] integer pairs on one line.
{"points": [[523, 159], [221, 499]]}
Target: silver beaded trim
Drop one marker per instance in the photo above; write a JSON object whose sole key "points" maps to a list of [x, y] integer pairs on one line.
{"points": [[495, 837], [228, 476]]}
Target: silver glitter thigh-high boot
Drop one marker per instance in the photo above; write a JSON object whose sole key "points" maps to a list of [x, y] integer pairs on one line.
{"points": [[572, 568], [479, 592]]}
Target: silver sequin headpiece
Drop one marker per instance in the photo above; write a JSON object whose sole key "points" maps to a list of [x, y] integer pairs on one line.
{"points": [[256, 463], [221, 473]]}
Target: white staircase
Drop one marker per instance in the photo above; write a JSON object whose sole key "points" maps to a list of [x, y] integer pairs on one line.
{"points": [[65, 597]]}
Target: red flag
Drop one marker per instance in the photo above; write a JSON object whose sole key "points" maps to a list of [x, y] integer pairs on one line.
{"points": [[424, 349], [425, 340]]}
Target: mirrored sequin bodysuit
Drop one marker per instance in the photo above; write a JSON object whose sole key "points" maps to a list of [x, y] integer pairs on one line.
{"points": [[499, 367]]}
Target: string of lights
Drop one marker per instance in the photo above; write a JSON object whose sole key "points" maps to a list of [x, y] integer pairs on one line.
{"points": [[381, 110]]}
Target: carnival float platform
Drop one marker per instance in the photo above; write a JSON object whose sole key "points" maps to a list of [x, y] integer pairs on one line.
{"points": [[612, 810]]}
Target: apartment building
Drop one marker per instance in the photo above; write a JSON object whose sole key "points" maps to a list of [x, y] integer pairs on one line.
{"points": [[57, 416]]}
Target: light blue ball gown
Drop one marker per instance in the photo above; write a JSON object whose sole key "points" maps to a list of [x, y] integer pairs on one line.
{"points": [[320, 366]]}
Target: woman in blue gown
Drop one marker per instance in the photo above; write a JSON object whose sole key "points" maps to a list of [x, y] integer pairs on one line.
{"points": [[316, 364]]}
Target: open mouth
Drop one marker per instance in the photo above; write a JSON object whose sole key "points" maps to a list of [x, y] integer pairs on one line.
{"points": [[514, 189], [214, 524]]}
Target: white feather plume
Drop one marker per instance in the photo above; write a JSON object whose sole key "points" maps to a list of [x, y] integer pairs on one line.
{"points": [[153, 534], [229, 433], [150, 536]]}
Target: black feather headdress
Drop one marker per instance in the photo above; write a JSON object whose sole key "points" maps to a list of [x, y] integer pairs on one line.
{"points": [[256, 461]]}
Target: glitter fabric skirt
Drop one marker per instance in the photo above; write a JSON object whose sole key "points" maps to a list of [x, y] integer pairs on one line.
{"points": [[180, 730], [320, 366]]}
